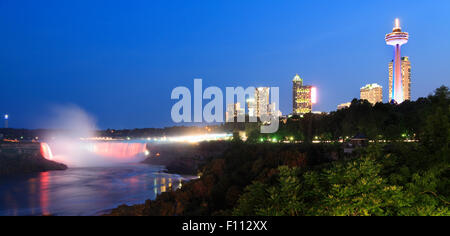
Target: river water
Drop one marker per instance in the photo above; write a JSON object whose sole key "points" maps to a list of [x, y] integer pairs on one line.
{"points": [[83, 191]]}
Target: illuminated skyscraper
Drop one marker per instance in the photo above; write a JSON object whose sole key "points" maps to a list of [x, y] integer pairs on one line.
{"points": [[406, 78], [372, 93], [261, 105], [397, 38], [262, 101], [234, 111], [251, 105], [303, 97]]}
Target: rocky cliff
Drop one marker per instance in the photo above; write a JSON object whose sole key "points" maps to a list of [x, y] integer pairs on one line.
{"points": [[17, 158]]}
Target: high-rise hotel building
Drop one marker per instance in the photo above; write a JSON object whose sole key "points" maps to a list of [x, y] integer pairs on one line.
{"points": [[260, 104], [372, 93], [234, 111], [262, 98], [303, 97], [406, 78]]}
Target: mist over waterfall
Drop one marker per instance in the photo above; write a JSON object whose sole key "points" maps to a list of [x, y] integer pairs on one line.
{"points": [[68, 145]]}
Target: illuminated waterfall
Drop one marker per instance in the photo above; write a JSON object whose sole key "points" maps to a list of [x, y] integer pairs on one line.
{"points": [[46, 152], [85, 154], [117, 150]]}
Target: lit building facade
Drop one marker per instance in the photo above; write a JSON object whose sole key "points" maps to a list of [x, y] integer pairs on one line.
{"points": [[234, 111], [372, 93], [261, 105], [344, 105], [262, 101], [303, 97], [396, 39], [406, 78], [251, 106]]}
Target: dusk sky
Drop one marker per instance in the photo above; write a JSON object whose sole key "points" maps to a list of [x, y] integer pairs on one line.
{"points": [[120, 60]]}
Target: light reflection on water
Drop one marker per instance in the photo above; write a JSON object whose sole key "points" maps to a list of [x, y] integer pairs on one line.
{"points": [[83, 191]]}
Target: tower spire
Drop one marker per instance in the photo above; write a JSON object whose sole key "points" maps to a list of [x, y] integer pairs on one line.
{"points": [[397, 27], [297, 78]]}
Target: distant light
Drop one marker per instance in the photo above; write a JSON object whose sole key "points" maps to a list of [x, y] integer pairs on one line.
{"points": [[6, 116], [313, 95], [196, 138], [147, 152]]}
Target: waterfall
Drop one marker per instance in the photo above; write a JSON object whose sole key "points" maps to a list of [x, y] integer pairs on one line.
{"points": [[117, 150], [46, 151], [95, 154]]}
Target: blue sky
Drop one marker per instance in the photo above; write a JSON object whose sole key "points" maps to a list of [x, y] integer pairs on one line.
{"points": [[120, 60]]}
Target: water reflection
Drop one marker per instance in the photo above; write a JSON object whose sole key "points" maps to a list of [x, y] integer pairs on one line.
{"points": [[163, 184], [83, 191], [44, 182]]}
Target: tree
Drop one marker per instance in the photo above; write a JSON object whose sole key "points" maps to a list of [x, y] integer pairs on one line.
{"points": [[254, 198], [351, 188], [357, 189]]}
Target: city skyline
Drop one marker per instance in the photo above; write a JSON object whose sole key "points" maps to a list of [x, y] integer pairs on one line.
{"points": [[120, 68]]}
